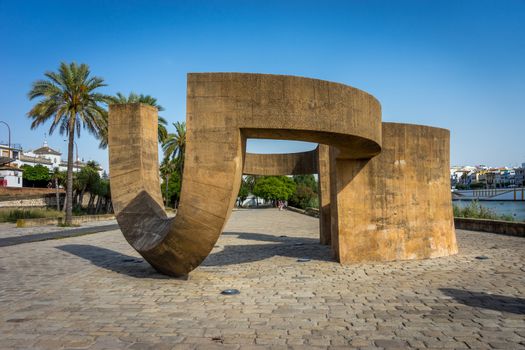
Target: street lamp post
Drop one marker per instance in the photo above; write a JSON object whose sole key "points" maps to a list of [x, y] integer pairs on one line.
{"points": [[9, 137]]}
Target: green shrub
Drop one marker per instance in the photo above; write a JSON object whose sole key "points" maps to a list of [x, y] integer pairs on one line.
{"points": [[78, 210], [11, 215], [477, 211], [477, 185], [314, 203], [303, 197]]}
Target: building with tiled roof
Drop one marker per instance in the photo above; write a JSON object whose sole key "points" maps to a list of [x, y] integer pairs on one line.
{"points": [[32, 160], [13, 158], [46, 150]]}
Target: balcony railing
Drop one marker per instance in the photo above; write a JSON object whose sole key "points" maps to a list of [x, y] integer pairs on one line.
{"points": [[15, 146]]}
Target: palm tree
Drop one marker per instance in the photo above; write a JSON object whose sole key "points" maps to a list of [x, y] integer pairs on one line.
{"points": [[174, 146], [86, 180], [120, 98], [56, 176], [167, 168], [69, 99]]}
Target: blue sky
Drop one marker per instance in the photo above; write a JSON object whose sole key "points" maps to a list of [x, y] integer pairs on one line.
{"points": [[454, 64]]}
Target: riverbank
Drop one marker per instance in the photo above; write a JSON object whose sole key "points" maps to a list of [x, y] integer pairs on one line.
{"points": [[514, 209]]}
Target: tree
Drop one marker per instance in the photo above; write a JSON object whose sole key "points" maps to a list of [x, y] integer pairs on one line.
{"points": [[306, 180], [35, 176], [244, 191], [305, 195], [249, 180], [120, 98], [274, 187], [171, 187], [57, 176], [172, 192], [84, 181], [102, 191], [90, 179], [174, 146], [69, 99]]}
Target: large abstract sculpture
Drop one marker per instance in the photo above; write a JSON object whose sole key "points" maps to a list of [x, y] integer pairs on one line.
{"points": [[384, 186]]}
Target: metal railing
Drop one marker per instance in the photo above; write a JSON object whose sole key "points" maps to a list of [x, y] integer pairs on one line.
{"points": [[15, 146]]}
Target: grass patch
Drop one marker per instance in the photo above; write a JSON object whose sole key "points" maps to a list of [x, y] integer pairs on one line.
{"points": [[476, 211], [11, 215]]}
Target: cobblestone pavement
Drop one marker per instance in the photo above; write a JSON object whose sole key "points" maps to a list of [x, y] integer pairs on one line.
{"points": [[8, 230], [95, 292], [12, 235]]}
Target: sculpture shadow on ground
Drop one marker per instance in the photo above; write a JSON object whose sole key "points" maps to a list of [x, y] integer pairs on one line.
{"points": [[113, 261], [287, 246], [294, 247], [487, 301]]}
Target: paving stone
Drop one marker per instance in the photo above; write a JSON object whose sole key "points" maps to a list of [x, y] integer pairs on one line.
{"points": [[391, 343], [95, 292]]}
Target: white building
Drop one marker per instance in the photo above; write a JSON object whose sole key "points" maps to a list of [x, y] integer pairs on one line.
{"points": [[46, 152], [51, 159], [10, 176], [10, 173], [44, 155], [13, 158]]}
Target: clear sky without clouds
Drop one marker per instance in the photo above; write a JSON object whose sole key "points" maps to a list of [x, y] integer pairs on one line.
{"points": [[457, 64]]}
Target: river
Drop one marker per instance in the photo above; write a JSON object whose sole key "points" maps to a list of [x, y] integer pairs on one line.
{"points": [[516, 209]]}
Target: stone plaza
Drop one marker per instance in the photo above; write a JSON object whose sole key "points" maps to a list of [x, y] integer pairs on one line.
{"points": [[96, 292]]}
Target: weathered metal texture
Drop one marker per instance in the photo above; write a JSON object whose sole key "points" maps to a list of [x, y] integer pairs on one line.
{"points": [[223, 109], [394, 206], [397, 205]]}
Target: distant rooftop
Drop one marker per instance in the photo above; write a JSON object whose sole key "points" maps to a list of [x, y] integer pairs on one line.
{"points": [[4, 167], [45, 149], [5, 160], [38, 160]]}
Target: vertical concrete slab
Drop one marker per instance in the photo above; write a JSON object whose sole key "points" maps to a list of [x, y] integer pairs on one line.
{"points": [[397, 205], [133, 155], [325, 230], [334, 212]]}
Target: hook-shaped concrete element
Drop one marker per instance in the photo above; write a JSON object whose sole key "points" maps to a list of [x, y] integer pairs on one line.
{"points": [[223, 110]]}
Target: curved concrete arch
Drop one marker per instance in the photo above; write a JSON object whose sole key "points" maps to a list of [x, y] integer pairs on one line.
{"points": [[223, 109], [393, 206]]}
